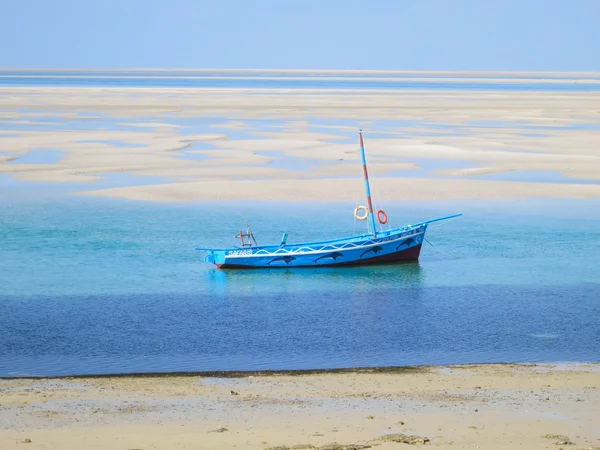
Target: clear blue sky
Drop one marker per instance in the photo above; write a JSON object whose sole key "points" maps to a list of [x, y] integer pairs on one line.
{"points": [[336, 34]]}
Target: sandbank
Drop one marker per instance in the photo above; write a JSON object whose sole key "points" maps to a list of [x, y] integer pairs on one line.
{"points": [[301, 145], [348, 189]]}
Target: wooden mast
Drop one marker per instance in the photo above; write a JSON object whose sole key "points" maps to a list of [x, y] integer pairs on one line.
{"points": [[371, 216]]}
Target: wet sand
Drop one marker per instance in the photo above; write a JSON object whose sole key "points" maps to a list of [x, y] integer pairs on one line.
{"points": [[214, 144], [475, 406]]}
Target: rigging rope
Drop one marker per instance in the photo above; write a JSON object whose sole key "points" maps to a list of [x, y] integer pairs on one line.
{"points": [[442, 222], [378, 205]]}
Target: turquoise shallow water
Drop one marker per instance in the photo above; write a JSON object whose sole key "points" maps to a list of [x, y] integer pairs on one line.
{"points": [[93, 285]]}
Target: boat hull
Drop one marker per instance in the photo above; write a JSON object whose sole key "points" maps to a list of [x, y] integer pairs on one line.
{"points": [[411, 254], [399, 245]]}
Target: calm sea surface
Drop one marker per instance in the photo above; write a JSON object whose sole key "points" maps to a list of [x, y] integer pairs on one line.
{"points": [[91, 285], [257, 80]]}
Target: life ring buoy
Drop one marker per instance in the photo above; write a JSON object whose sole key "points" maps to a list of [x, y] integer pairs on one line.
{"points": [[361, 208], [381, 216]]}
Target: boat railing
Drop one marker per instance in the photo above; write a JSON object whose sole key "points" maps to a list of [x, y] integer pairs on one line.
{"points": [[342, 242]]}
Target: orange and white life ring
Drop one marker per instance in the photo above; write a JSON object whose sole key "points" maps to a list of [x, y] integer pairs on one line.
{"points": [[381, 216], [358, 209]]}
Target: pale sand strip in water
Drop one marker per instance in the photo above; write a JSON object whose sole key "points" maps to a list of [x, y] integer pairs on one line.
{"points": [[573, 75], [481, 406], [345, 189], [337, 77], [478, 132]]}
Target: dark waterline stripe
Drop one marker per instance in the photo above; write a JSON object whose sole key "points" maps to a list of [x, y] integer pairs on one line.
{"points": [[393, 370]]}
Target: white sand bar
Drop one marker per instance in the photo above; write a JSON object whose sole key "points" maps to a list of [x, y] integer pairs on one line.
{"points": [[210, 144]]}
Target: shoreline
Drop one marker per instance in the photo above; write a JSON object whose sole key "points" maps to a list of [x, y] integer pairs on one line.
{"points": [[299, 372], [228, 374]]}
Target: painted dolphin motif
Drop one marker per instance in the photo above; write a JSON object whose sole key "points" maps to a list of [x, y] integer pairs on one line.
{"points": [[334, 255], [406, 242], [285, 259], [375, 250]]}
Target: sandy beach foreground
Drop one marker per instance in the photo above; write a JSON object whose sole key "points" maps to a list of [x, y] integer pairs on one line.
{"points": [[476, 406]]}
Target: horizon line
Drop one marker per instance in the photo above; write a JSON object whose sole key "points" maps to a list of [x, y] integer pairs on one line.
{"points": [[314, 70]]}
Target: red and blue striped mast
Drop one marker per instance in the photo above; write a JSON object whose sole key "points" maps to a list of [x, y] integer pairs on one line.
{"points": [[371, 216]]}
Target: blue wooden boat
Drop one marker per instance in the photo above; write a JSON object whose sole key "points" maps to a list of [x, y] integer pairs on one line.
{"points": [[375, 247]]}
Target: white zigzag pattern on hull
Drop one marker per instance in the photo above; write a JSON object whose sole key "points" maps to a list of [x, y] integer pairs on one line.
{"points": [[326, 248]]}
